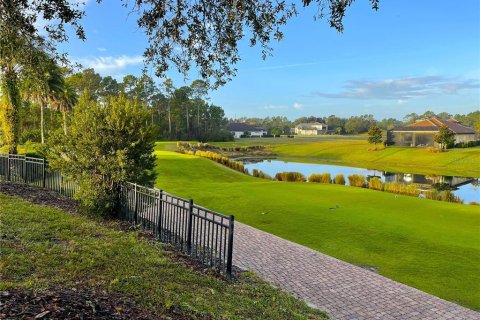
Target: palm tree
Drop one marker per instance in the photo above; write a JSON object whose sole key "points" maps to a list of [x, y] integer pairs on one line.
{"points": [[44, 81], [63, 101]]}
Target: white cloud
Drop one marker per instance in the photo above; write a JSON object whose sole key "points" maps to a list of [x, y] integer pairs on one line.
{"points": [[102, 49], [297, 106], [402, 89], [273, 107], [109, 64], [401, 101]]}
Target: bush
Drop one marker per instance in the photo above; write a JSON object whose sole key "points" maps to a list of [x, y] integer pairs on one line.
{"points": [[218, 136], [357, 180], [339, 179], [106, 145], [290, 176], [260, 174], [32, 135], [375, 184], [469, 144], [320, 178], [401, 188]]}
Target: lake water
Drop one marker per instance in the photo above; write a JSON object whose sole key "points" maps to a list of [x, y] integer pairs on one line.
{"points": [[468, 189]]}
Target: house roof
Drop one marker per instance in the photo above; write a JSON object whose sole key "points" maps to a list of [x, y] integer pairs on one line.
{"points": [[242, 126], [434, 124], [309, 125]]}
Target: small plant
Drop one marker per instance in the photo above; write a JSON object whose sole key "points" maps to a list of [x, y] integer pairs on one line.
{"points": [[339, 179], [260, 174], [375, 184], [320, 178], [357, 180], [290, 176]]}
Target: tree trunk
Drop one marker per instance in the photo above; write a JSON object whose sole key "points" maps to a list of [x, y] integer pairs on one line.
{"points": [[169, 122], [42, 122], [10, 106], [64, 114], [198, 120], [188, 126]]}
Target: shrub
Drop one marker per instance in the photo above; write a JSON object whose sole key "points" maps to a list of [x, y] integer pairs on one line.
{"points": [[401, 188], [375, 184], [106, 145], [474, 203], [290, 176], [260, 174], [448, 196], [433, 150], [32, 135], [339, 179], [218, 136], [357, 180], [320, 178]]}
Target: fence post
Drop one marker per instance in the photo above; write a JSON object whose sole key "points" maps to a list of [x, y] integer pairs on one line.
{"points": [[190, 227], [44, 173], [8, 167], [160, 215], [230, 248], [24, 169], [135, 213]]}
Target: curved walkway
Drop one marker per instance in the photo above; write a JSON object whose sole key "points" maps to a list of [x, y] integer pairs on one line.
{"points": [[341, 289]]}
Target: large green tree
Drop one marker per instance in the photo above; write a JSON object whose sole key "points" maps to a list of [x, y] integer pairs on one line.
{"points": [[106, 145]]}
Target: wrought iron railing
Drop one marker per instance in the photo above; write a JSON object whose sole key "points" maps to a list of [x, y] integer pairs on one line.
{"points": [[203, 234]]}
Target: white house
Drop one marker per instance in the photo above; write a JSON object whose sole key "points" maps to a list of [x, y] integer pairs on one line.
{"points": [[311, 129], [240, 128]]}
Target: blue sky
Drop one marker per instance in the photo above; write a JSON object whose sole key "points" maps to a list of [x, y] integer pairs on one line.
{"points": [[410, 56]]}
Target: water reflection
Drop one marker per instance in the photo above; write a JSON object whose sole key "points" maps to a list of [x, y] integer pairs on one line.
{"points": [[466, 188]]}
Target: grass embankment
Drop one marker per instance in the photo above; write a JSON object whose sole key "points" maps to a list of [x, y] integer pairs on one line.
{"points": [[43, 247], [431, 245], [354, 151]]}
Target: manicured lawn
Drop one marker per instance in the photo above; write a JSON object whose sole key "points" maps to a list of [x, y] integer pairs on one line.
{"points": [[43, 248], [353, 151], [431, 245]]}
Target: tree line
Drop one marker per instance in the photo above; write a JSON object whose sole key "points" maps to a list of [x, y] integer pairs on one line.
{"points": [[355, 124], [48, 97]]}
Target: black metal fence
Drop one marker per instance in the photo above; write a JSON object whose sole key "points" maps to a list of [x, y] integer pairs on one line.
{"points": [[203, 234]]}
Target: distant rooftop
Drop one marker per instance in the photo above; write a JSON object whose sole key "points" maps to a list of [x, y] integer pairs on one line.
{"points": [[434, 124]]}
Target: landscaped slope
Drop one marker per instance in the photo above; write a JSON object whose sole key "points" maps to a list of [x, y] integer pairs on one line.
{"points": [[44, 248], [431, 245]]}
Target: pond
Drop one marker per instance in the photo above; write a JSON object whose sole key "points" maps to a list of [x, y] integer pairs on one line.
{"points": [[468, 189]]}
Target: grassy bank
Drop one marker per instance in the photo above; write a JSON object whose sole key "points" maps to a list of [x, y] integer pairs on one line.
{"points": [[354, 151], [44, 248], [430, 245]]}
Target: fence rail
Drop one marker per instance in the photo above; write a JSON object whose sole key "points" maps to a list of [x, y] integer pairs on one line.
{"points": [[203, 234]]}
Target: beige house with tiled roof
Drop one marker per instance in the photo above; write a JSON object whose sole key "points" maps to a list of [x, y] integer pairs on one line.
{"points": [[421, 133]]}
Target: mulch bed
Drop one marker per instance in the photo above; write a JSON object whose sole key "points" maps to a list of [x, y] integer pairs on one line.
{"points": [[39, 196], [72, 304]]}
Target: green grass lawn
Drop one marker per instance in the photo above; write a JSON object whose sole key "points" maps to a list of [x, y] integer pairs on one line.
{"points": [[431, 245], [42, 248], [354, 151]]}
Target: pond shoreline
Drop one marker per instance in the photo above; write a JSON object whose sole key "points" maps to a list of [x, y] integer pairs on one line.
{"points": [[465, 188]]}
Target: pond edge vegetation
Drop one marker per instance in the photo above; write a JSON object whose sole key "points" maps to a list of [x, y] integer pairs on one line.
{"points": [[355, 180]]}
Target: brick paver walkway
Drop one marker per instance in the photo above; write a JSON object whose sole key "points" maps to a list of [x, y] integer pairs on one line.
{"points": [[343, 290]]}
